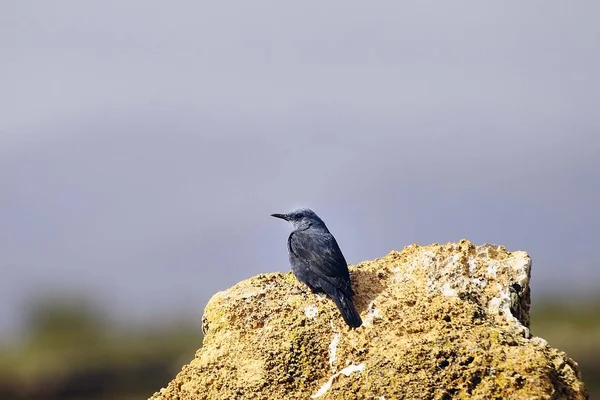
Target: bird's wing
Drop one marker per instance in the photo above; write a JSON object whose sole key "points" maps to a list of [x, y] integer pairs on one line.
{"points": [[323, 256]]}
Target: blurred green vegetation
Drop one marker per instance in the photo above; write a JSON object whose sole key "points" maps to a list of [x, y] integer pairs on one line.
{"points": [[573, 327], [71, 350]]}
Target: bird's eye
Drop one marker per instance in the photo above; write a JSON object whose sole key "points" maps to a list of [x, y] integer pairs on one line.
{"points": [[297, 216]]}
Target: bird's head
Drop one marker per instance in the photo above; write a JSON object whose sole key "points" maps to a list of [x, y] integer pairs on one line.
{"points": [[301, 218]]}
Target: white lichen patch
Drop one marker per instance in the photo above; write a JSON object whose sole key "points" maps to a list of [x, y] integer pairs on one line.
{"points": [[538, 341], [311, 312], [372, 314], [522, 267], [472, 266], [479, 282], [448, 290], [346, 371], [502, 303], [430, 286], [492, 270], [401, 275], [333, 348], [249, 293]]}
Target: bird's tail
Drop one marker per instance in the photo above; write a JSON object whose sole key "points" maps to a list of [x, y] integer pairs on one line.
{"points": [[346, 307]]}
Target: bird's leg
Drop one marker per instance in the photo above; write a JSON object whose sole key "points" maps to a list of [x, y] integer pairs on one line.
{"points": [[318, 292], [300, 288]]}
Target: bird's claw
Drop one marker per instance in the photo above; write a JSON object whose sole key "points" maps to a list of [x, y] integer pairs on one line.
{"points": [[299, 290]]}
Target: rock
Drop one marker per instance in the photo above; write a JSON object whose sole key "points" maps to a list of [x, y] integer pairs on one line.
{"points": [[440, 322]]}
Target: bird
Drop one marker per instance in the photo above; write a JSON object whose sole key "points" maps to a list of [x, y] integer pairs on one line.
{"points": [[317, 261]]}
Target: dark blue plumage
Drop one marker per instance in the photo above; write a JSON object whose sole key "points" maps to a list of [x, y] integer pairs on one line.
{"points": [[317, 261]]}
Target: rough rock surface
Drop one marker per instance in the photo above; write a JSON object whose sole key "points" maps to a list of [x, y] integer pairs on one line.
{"points": [[440, 322]]}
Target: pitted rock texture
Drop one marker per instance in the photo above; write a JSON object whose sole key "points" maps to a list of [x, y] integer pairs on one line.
{"points": [[439, 322]]}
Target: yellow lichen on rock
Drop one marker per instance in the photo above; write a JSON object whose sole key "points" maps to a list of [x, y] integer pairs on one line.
{"points": [[440, 322]]}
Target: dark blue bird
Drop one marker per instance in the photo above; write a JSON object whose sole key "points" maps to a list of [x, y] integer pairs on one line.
{"points": [[317, 261]]}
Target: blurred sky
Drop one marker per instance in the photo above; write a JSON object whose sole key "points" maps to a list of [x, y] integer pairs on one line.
{"points": [[143, 144]]}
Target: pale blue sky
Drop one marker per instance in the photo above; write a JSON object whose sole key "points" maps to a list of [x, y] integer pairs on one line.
{"points": [[143, 144]]}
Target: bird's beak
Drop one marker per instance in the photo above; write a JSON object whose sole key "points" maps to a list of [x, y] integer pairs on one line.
{"points": [[282, 216]]}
